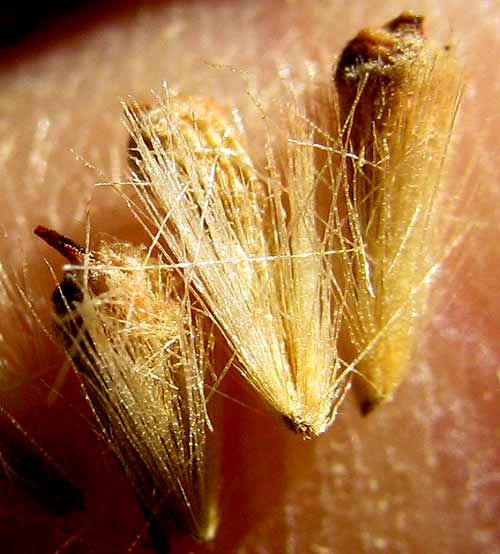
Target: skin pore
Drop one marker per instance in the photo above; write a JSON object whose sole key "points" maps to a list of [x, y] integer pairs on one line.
{"points": [[418, 475]]}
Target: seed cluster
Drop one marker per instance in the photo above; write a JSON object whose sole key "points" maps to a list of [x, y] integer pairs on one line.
{"points": [[312, 272]]}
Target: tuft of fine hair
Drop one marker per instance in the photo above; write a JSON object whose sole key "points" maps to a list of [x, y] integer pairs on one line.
{"points": [[142, 350], [253, 246], [398, 98]]}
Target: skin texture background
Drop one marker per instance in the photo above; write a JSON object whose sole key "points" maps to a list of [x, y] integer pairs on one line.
{"points": [[422, 473]]}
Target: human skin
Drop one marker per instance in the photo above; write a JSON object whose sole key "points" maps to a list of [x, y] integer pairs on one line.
{"points": [[421, 474]]}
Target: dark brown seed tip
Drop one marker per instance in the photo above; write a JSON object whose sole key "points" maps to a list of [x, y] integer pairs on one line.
{"points": [[382, 46], [70, 250], [406, 23], [368, 406], [299, 427]]}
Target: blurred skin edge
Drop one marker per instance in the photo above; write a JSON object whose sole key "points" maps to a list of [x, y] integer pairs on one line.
{"points": [[24, 31]]}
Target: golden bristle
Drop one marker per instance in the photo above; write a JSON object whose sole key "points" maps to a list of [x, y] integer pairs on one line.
{"points": [[253, 248], [142, 351], [398, 96]]}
